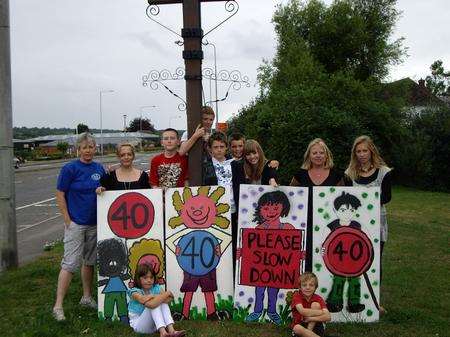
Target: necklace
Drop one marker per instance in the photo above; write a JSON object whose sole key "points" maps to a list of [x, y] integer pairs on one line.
{"points": [[368, 169]]}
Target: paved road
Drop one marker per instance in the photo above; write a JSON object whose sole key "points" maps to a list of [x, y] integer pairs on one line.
{"points": [[37, 215]]}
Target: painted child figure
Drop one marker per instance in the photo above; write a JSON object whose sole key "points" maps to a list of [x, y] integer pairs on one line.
{"points": [[148, 307], [309, 310], [271, 206], [201, 215], [345, 207]]}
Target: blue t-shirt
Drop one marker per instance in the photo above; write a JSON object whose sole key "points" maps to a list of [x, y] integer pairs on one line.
{"points": [[134, 306], [115, 284], [78, 181]]}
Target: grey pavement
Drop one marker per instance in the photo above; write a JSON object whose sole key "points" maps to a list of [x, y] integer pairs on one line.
{"points": [[37, 215]]}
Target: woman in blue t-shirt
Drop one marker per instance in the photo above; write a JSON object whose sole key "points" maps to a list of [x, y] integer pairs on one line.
{"points": [[149, 306], [77, 202]]}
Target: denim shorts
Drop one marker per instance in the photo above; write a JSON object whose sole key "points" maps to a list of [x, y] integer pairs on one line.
{"points": [[80, 245]]}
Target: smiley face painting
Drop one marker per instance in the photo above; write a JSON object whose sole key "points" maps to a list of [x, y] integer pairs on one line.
{"points": [[198, 242]]}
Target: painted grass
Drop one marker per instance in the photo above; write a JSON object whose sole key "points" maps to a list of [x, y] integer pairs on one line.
{"points": [[415, 288]]}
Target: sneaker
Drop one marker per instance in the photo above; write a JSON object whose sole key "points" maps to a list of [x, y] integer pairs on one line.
{"points": [[58, 314], [356, 307], [253, 317], [274, 317], [88, 302]]}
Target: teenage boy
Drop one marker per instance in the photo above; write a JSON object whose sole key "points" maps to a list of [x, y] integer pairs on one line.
{"points": [[220, 171], [236, 142], [203, 130], [308, 309], [345, 207], [169, 169]]}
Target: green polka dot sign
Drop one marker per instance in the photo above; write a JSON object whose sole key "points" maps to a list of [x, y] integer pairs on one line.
{"points": [[346, 251]]}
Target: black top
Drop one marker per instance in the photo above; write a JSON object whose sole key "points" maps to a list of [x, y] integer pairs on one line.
{"points": [[334, 178], [110, 182], [386, 185]]}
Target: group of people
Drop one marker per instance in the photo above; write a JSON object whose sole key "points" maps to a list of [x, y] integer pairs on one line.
{"points": [[226, 162]]}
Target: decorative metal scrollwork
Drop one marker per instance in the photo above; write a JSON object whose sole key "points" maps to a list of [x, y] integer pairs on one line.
{"points": [[231, 7], [155, 78], [153, 10]]}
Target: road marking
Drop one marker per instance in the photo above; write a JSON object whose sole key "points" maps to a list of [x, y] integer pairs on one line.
{"points": [[38, 223], [46, 205], [35, 203], [18, 182], [47, 177]]}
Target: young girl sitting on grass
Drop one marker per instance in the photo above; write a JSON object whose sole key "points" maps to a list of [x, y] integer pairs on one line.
{"points": [[148, 308]]}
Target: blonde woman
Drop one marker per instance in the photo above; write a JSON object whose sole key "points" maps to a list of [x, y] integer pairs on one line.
{"points": [[367, 168], [317, 170], [126, 176]]}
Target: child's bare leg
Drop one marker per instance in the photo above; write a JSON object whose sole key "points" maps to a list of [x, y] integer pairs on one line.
{"points": [[301, 331], [315, 306]]}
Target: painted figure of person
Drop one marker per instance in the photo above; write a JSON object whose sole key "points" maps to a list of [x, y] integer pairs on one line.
{"points": [[112, 264], [271, 207], [345, 207], [200, 245]]}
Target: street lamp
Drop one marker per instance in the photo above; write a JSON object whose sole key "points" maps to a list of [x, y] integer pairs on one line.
{"points": [[101, 119], [206, 43], [124, 123]]}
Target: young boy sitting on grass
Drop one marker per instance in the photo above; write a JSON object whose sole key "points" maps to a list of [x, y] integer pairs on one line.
{"points": [[309, 310]]}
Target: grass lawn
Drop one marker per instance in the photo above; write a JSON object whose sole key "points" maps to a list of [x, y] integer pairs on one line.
{"points": [[415, 288]]}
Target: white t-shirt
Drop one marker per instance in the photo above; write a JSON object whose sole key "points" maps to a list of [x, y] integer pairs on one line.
{"points": [[225, 177]]}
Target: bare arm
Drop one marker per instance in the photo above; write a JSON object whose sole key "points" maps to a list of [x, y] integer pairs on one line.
{"points": [[187, 145], [324, 317], [62, 205], [157, 300], [142, 298], [308, 312]]}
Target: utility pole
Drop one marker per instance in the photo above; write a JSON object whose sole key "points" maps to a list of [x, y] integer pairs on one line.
{"points": [[8, 232]]}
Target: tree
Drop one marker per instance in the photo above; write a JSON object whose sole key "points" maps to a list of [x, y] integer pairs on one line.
{"points": [[349, 35], [439, 80], [324, 81], [82, 128], [62, 147], [137, 125]]}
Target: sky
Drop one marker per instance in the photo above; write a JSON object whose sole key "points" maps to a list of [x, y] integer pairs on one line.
{"points": [[64, 53]]}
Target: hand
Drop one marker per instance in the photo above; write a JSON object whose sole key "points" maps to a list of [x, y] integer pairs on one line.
{"points": [[177, 250], [199, 131], [307, 319], [99, 190], [274, 164], [67, 221], [217, 250], [272, 182]]}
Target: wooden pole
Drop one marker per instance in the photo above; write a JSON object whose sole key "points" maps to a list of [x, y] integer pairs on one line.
{"points": [[193, 55], [8, 233]]}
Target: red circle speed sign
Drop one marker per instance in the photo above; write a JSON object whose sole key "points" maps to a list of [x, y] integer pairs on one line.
{"points": [[347, 252], [131, 215]]}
